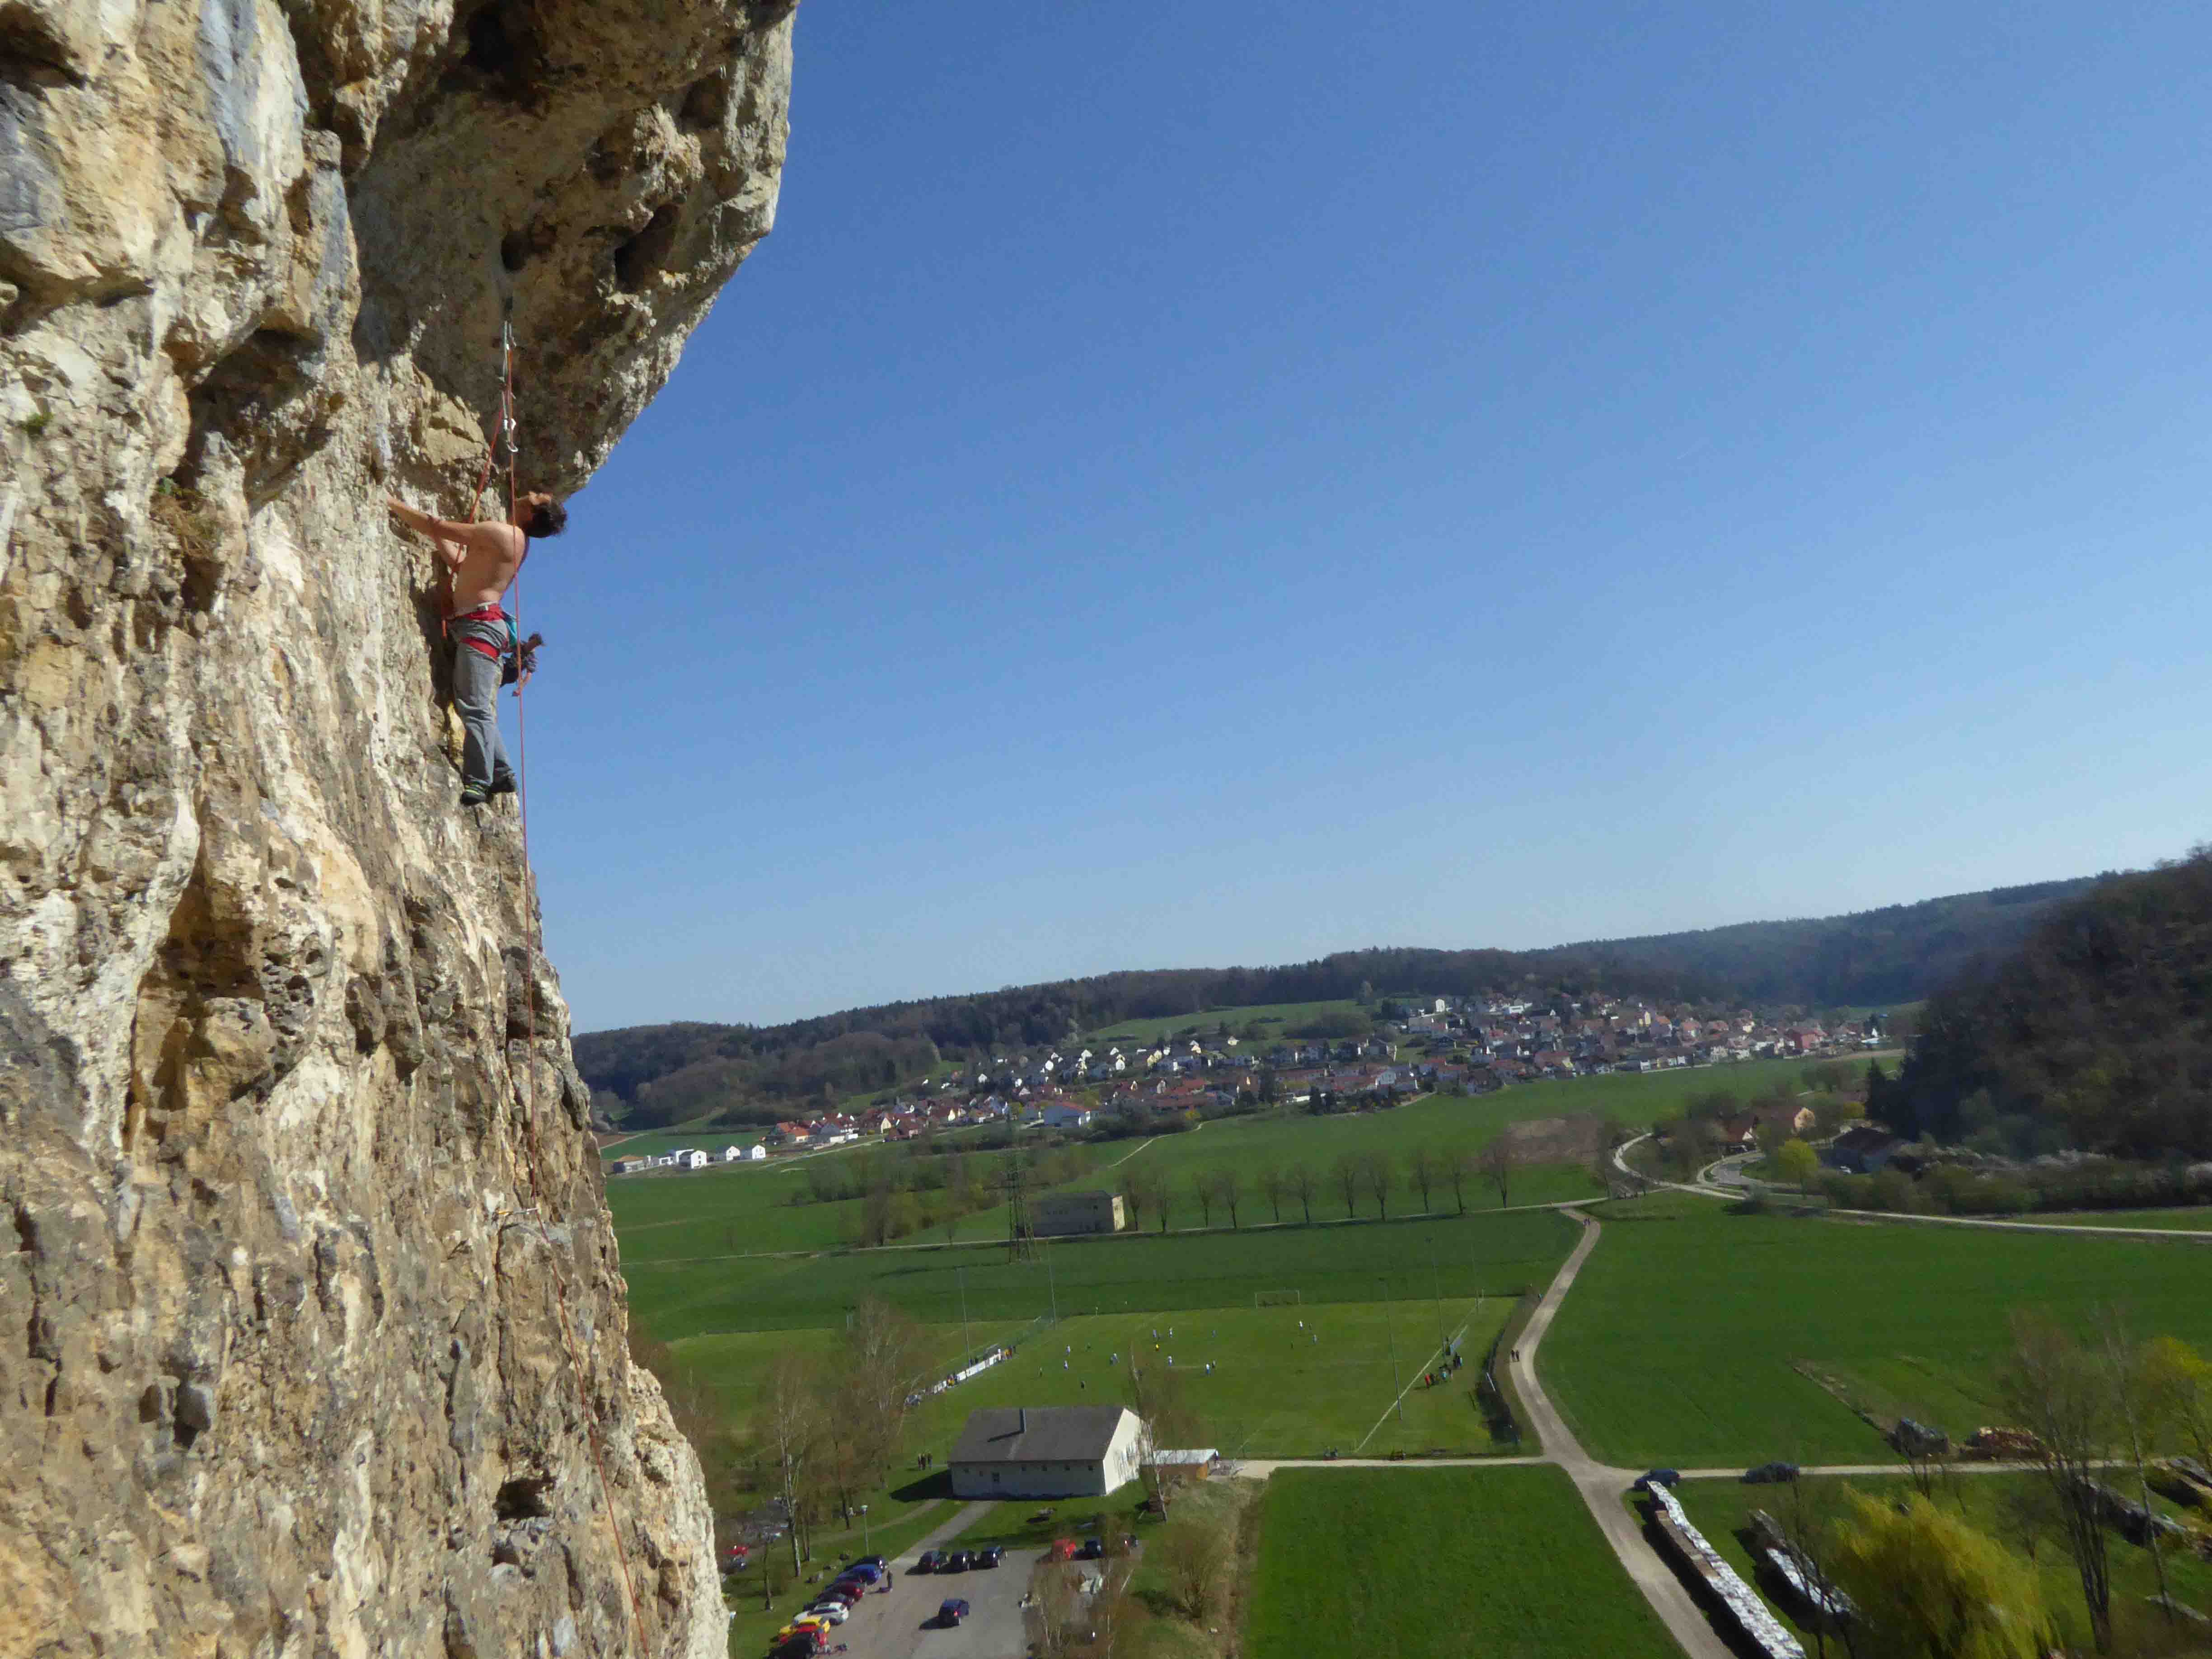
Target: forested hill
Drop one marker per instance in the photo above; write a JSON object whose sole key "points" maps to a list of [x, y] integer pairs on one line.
{"points": [[2095, 1033], [1871, 958], [667, 1073]]}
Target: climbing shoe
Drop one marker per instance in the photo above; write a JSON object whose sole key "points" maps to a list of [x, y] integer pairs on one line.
{"points": [[474, 794], [502, 786]]}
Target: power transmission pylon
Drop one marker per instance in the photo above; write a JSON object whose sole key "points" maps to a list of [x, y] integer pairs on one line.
{"points": [[1021, 1240]]}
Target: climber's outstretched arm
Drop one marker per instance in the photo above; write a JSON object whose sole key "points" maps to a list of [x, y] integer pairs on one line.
{"points": [[453, 540]]}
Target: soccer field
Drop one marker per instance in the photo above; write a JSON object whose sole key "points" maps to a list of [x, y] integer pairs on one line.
{"points": [[1366, 1262], [1287, 1382], [1439, 1564]]}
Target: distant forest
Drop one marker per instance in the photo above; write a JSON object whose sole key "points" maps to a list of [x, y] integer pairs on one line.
{"points": [[1873, 958], [660, 1074], [2096, 1033]]}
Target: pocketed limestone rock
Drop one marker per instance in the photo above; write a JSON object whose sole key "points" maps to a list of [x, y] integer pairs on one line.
{"points": [[292, 1150]]}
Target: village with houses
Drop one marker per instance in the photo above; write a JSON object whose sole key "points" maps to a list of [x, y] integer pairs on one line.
{"points": [[1438, 1044]]}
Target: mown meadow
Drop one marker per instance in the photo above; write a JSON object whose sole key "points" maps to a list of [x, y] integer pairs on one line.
{"points": [[1437, 1564], [1699, 1336]]}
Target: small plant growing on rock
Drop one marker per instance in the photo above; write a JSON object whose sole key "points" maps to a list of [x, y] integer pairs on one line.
{"points": [[33, 425]]}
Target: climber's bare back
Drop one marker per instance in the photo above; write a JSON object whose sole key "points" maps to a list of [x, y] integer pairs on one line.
{"points": [[483, 564], [481, 558]]}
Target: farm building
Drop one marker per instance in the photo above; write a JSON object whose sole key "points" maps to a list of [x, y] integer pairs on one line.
{"points": [[1187, 1463], [1046, 1451], [1056, 1214], [1862, 1150]]}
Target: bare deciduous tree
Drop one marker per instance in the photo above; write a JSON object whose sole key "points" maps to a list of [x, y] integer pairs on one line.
{"points": [[1497, 1162], [1136, 1198], [788, 1426], [1194, 1554], [1460, 1166], [1374, 1173], [1206, 1185], [1229, 1187], [882, 1363], [1346, 1170], [1305, 1183], [2053, 1389], [1422, 1171], [1273, 1187]]}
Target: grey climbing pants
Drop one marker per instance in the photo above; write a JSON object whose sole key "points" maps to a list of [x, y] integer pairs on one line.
{"points": [[476, 695]]}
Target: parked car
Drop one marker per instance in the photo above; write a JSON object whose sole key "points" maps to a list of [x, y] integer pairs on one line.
{"points": [[877, 1562], [930, 1562], [1651, 1478], [803, 1623], [1063, 1549], [1771, 1475], [735, 1560], [802, 1644], [957, 1561], [990, 1555], [832, 1609], [846, 1590], [951, 1611], [1092, 1550]]}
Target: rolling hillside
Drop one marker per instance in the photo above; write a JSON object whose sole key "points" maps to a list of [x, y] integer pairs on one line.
{"points": [[660, 1074]]}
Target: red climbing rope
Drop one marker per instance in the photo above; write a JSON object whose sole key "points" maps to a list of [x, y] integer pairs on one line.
{"points": [[535, 950]]}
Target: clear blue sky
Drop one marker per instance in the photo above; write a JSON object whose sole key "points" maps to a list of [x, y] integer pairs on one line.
{"points": [[1209, 482]]}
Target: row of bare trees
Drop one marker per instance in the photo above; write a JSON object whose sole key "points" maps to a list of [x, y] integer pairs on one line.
{"points": [[1352, 1178], [827, 1427]]}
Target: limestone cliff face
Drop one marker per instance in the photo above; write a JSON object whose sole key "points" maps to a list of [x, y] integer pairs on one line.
{"points": [[282, 1371]]}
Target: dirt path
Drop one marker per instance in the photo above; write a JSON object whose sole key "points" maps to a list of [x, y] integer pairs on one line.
{"points": [[1601, 1486]]}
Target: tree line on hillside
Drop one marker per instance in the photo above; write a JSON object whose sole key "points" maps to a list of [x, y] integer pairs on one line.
{"points": [[2096, 1033], [1870, 959]]}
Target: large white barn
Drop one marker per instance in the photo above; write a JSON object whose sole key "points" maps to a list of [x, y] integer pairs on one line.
{"points": [[1046, 1451]]}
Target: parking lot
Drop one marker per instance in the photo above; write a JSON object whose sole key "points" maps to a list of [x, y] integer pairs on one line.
{"points": [[901, 1623]]}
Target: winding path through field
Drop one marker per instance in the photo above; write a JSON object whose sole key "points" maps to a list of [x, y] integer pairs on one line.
{"points": [[1601, 1486]]}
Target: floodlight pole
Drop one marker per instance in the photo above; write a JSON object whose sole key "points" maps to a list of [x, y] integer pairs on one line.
{"points": [[967, 1343], [863, 1529], [1389, 1326], [1436, 1284]]}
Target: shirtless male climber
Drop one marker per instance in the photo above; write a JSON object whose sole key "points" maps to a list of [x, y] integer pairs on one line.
{"points": [[480, 560]]}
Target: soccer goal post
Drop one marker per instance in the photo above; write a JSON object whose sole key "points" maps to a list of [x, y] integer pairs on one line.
{"points": [[1274, 1298]]}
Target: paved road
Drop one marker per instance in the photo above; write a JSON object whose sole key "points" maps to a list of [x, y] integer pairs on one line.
{"points": [[1725, 1179]]}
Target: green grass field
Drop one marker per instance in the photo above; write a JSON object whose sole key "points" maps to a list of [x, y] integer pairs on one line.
{"points": [[1677, 1344], [1477, 1255], [1354, 1563], [1719, 1507], [1287, 1382], [717, 1213], [2195, 1220]]}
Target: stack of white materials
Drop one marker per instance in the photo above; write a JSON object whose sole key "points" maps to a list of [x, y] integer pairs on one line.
{"points": [[1832, 1602], [1752, 1612]]}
